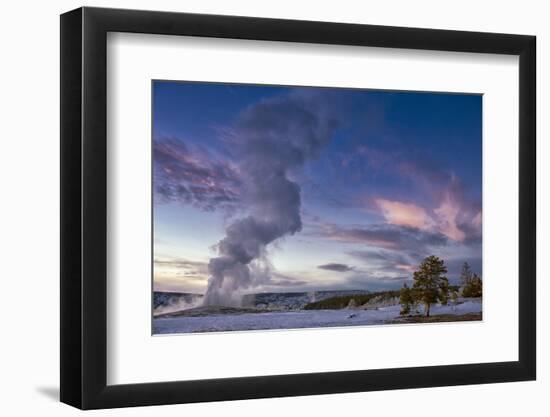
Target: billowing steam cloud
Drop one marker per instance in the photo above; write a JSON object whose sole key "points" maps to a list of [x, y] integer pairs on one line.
{"points": [[271, 140]]}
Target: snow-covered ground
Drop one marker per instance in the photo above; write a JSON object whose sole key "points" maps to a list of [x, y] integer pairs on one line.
{"points": [[295, 319]]}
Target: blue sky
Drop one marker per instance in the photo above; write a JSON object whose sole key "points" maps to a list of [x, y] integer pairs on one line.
{"points": [[322, 188]]}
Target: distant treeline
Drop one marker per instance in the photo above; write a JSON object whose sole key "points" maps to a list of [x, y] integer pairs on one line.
{"points": [[336, 303], [340, 302]]}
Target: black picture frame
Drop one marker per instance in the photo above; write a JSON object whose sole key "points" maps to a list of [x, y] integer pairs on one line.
{"points": [[84, 207]]}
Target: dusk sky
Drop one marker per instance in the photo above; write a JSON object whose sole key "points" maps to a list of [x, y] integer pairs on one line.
{"points": [[311, 188]]}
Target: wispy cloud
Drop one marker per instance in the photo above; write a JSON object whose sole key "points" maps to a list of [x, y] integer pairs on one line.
{"points": [[387, 262], [450, 218], [180, 267], [404, 214], [384, 236], [336, 267], [179, 274], [194, 176]]}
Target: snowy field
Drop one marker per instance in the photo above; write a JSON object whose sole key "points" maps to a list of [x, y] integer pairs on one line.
{"points": [[295, 319]]}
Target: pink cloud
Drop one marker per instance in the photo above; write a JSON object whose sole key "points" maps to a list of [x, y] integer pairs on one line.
{"points": [[191, 175], [404, 214], [406, 267], [476, 221], [450, 218], [357, 235], [447, 218]]}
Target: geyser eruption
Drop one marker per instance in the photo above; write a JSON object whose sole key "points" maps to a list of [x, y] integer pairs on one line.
{"points": [[271, 140]]}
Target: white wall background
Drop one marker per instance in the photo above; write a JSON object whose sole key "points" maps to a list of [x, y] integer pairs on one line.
{"points": [[29, 176]]}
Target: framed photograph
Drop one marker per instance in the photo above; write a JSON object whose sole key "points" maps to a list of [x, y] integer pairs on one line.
{"points": [[257, 208]]}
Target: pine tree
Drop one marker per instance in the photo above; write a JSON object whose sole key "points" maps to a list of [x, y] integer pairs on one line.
{"points": [[406, 300], [477, 286], [429, 283], [474, 287], [465, 275], [444, 292]]}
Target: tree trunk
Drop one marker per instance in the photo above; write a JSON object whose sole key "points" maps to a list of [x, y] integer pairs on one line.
{"points": [[427, 309]]}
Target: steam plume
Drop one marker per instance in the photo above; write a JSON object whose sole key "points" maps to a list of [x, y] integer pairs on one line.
{"points": [[271, 139]]}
